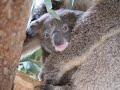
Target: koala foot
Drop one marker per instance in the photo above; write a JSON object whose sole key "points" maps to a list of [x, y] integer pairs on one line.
{"points": [[45, 87]]}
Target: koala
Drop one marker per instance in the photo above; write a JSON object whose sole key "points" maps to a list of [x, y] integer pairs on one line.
{"points": [[38, 7], [53, 35], [93, 50]]}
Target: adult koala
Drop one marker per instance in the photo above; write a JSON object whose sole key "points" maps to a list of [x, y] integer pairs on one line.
{"points": [[94, 51]]}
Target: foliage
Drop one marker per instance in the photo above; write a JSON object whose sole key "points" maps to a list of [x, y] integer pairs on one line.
{"points": [[31, 65], [71, 4], [48, 5]]}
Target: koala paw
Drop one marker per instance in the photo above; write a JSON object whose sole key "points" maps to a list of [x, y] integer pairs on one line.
{"points": [[45, 87]]}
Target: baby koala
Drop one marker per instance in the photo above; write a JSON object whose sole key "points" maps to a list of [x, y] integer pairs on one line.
{"points": [[54, 35]]}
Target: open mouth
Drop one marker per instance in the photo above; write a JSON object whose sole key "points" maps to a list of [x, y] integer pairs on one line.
{"points": [[61, 47]]}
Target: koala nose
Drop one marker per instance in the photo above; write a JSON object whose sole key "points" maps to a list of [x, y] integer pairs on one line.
{"points": [[58, 38], [58, 43]]}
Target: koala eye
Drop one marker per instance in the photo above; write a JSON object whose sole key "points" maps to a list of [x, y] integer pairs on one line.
{"points": [[65, 28], [46, 35]]}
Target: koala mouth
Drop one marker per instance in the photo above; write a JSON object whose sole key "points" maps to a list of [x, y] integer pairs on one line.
{"points": [[62, 46]]}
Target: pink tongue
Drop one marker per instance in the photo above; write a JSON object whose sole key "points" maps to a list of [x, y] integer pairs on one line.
{"points": [[62, 47]]}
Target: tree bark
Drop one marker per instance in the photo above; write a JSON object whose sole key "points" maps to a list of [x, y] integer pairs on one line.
{"points": [[24, 82], [13, 19]]}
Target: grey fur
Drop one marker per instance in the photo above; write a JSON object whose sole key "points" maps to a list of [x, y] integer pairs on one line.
{"points": [[38, 9], [51, 26], [94, 50]]}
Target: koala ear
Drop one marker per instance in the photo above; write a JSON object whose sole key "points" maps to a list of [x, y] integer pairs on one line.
{"points": [[34, 28]]}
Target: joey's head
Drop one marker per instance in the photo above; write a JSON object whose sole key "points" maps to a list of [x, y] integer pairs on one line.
{"points": [[54, 34], [55, 38]]}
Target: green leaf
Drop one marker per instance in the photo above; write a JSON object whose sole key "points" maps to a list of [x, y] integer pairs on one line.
{"points": [[71, 4], [48, 4], [26, 59], [38, 53], [30, 73], [54, 14], [24, 70], [34, 68], [39, 63], [27, 65], [32, 8]]}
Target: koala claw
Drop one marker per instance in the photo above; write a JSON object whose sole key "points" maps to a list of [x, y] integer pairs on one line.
{"points": [[41, 87], [45, 87]]}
